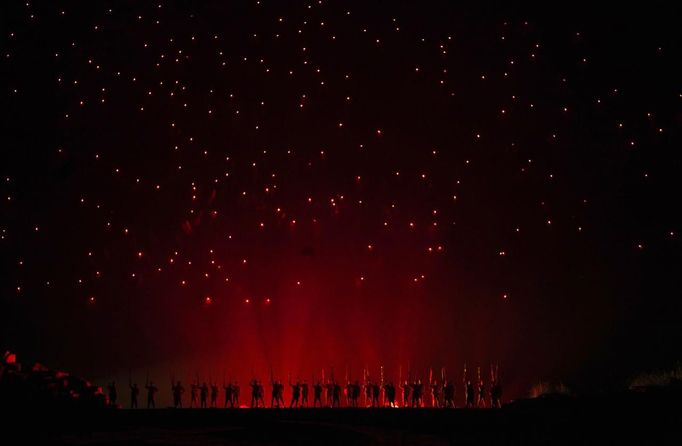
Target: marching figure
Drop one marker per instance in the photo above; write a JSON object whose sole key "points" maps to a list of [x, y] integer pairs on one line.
{"points": [[177, 391], [214, 395], [134, 393], [113, 394], [227, 388], [194, 391], [203, 395], [317, 394], [449, 395], [235, 394], [151, 392], [304, 394], [295, 393], [256, 394]]}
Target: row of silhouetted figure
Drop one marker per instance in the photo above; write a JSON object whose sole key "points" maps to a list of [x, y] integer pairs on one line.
{"points": [[369, 393]]}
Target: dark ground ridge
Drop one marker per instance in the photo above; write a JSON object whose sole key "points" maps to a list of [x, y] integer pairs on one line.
{"points": [[627, 418]]}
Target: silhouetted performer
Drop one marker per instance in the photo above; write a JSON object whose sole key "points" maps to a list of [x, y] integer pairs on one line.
{"points": [[134, 393], [113, 394], [449, 395], [406, 388], [227, 388], [470, 395], [330, 393], [214, 395], [295, 394], [151, 395], [496, 395], [256, 395], [375, 392], [194, 391], [203, 395], [357, 390], [273, 395], [317, 394], [481, 395], [349, 393], [368, 392], [304, 394], [261, 393], [417, 393], [235, 394], [276, 399], [336, 395], [280, 394], [389, 392], [435, 394], [178, 390]]}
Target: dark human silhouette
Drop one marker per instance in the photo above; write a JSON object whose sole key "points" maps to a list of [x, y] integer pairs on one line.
{"points": [[368, 392], [304, 394], [203, 395], [435, 394], [194, 392], [496, 395], [317, 394], [336, 394], [274, 398], [113, 394], [470, 395], [329, 395], [214, 395], [134, 393], [389, 392], [295, 393], [235, 394], [481, 395], [227, 388], [449, 395], [417, 393], [357, 390], [177, 390], [375, 392], [406, 388], [256, 394], [496, 387], [151, 394]]}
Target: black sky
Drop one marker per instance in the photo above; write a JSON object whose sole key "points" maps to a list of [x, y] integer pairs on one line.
{"points": [[404, 181]]}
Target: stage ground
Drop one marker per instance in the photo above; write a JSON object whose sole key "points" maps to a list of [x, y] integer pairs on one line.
{"points": [[632, 419]]}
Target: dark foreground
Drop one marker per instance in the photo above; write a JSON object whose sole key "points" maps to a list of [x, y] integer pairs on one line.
{"points": [[624, 419]]}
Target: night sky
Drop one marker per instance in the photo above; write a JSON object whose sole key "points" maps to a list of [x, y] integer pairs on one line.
{"points": [[224, 187]]}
